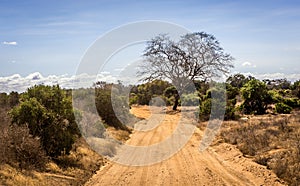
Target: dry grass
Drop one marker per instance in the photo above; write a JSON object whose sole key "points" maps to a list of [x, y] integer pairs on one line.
{"points": [[104, 147], [270, 140], [74, 169], [22, 161], [12, 176], [120, 135]]}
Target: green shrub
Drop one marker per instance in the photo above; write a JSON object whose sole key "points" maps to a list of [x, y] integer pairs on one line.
{"points": [[230, 113], [231, 91], [133, 99], [49, 115], [205, 109], [222, 107], [296, 89], [275, 96], [219, 106], [292, 102], [142, 94], [190, 99], [256, 97], [112, 106], [283, 108]]}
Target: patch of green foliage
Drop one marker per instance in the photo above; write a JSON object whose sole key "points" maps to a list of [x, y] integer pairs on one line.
{"points": [[256, 97], [49, 115], [283, 108]]}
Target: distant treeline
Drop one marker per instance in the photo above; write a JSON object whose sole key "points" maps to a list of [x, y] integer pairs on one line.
{"points": [[244, 95]]}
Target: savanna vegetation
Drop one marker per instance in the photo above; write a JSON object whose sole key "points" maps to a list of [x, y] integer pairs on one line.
{"points": [[43, 138], [40, 130], [40, 142], [262, 117]]}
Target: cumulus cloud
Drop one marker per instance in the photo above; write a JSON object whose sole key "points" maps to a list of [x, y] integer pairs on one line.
{"points": [[248, 64], [290, 77], [19, 83], [10, 43]]}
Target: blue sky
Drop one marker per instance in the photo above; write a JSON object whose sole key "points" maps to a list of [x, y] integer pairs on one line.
{"points": [[50, 37]]}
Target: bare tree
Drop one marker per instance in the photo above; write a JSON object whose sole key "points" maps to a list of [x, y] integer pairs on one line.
{"points": [[195, 56]]}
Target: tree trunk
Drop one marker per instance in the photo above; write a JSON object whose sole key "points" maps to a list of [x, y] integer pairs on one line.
{"points": [[176, 102]]}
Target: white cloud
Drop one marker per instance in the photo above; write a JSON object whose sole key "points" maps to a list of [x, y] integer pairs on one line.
{"points": [[248, 64], [10, 43], [290, 77], [34, 76], [18, 83]]}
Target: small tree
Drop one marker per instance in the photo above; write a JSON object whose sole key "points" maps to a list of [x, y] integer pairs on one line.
{"points": [[13, 99], [195, 56], [238, 80], [142, 94], [219, 104], [3, 100], [296, 88], [283, 108], [256, 97], [111, 107], [48, 113]]}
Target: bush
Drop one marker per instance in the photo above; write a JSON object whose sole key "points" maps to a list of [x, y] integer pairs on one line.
{"points": [[256, 97], [112, 106], [230, 113], [171, 92], [3, 99], [190, 99], [48, 113], [231, 91], [142, 94], [205, 109], [237, 80], [221, 106], [283, 108], [133, 99], [296, 89], [275, 96], [13, 99], [218, 110], [292, 102], [20, 149], [27, 149]]}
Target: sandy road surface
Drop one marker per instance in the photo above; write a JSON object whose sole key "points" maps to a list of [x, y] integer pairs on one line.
{"points": [[218, 165]]}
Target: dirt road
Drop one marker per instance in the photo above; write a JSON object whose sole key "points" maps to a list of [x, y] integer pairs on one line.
{"points": [[220, 164]]}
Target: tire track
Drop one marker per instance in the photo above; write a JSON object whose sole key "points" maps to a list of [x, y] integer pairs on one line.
{"points": [[158, 136], [186, 167]]}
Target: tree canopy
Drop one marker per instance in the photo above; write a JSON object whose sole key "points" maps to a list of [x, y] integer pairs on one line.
{"points": [[196, 56], [256, 97]]}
